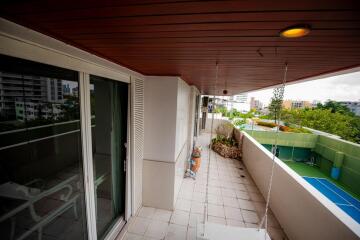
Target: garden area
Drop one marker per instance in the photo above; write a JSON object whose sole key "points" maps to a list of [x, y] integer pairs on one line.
{"points": [[330, 117]]}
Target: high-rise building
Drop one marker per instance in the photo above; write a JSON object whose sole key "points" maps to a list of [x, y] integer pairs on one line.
{"points": [[24, 96], [240, 98], [294, 104], [255, 104]]}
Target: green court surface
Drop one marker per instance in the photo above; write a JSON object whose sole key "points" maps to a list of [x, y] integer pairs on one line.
{"points": [[306, 170]]}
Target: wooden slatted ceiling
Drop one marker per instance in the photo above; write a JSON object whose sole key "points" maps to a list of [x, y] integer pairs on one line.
{"points": [[186, 38]]}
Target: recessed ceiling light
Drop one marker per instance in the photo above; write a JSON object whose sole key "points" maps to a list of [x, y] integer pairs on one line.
{"points": [[295, 31]]}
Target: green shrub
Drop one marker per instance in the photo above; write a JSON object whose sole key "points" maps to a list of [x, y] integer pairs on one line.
{"points": [[239, 122], [266, 124], [226, 141]]}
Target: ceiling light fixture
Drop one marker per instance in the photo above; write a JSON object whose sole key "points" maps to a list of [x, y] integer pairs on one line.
{"points": [[296, 31]]}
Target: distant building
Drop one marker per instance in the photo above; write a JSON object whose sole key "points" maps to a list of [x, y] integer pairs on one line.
{"points": [[32, 111], [241, 98], [295, 104], [315, 103], [239, 102], [23, 96], [353, 106], [66, 89], [256, 104]]}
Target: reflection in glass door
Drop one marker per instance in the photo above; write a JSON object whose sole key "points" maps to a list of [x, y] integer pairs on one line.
{"points": [[41, 170], [109, 133]]}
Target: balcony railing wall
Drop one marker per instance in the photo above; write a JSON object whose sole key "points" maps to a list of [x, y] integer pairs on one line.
{"points": [[302, 211]]}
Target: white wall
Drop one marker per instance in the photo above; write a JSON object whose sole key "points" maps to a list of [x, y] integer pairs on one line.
{"points": [[182, 116], [167, 122], [301, 210], [160, 118]]}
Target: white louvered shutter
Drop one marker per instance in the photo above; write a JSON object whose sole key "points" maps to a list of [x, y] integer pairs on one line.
{"points": [[137, 143]]}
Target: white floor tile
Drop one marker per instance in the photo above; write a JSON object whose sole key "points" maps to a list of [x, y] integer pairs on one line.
{"points": [[191, 233], [180, 218], [215, 199], [147, 212], [214, 190], [157, 229], [162, 215], [247, 205], [251, 225], [250, 216], [139, 225], [131, 236], [197, 207], [185, 195], [228, 193], [231, 202], [216, 210], [242, 195], [199, 187], [176, 232], [239, 186], [235, 223], [252, 188], [233, 213], [218, 220], [182, 204], [199, 197], [195, 219]]}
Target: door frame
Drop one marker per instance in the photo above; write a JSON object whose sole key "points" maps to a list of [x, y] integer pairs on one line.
{"points": [[21, 42], [85, 109]]}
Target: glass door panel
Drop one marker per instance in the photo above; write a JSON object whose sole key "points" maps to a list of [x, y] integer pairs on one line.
{"points": [[41, 172], [109, 133]]}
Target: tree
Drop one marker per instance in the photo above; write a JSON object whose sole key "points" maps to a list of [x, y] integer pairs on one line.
{"points": [[276, 103], [334, 123], [222, 110], [327, 120], [335, 107]]}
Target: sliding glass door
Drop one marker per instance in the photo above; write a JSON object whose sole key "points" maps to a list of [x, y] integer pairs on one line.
{"points": [[48, 147], [109, 135], [41, 160]]}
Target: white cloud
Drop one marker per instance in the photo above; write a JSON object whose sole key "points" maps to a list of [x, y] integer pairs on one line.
{"points": [[340, 88]]}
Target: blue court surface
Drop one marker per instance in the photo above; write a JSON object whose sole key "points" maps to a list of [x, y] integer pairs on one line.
{"points": [[338, 196]]}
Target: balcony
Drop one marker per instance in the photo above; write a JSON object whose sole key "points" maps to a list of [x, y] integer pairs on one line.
{"points": [[134, 71], [233, 200]]}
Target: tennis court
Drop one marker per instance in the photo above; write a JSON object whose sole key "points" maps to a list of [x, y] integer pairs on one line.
{"points": [[342, 199]]}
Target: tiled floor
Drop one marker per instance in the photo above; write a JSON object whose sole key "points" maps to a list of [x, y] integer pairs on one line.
{"points": [[233, 199]]}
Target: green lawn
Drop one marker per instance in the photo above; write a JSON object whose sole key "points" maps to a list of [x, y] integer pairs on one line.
{"points": [[306, 170]]}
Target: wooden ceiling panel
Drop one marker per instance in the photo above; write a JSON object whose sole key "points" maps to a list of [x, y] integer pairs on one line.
{"points": [[186, 38]]}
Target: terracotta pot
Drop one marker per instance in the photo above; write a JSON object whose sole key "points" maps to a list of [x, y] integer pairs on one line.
{"points": [[195, 167]]}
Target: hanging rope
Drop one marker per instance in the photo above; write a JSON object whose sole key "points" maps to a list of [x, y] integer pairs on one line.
{"points": [[205, 217], [281, 93]]}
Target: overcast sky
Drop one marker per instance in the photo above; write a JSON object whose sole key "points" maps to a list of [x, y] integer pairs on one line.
{"points": [[340, 88]]}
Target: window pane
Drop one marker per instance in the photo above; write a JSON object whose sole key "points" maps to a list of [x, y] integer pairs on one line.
{"points": [[109, 131], [41, 177]]}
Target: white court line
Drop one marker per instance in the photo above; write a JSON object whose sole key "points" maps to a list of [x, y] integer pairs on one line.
{"points": [[337, 195], [343, 204], [340, 189]]}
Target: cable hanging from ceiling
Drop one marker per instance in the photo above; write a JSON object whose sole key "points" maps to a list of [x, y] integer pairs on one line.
{"points": [[264, 221], [280, 91]]}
